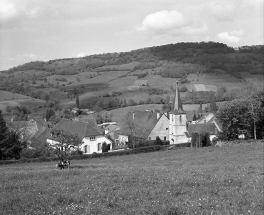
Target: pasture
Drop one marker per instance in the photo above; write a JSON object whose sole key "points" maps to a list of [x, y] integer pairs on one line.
{"points": [[219, 79], [7, 96], [227, 180]]}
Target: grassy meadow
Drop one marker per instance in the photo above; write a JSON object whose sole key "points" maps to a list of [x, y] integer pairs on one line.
{"points": [[227, 180]]}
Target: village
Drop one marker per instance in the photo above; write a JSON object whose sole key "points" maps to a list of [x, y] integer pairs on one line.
{"points": [[172, 128], [142, 107]]}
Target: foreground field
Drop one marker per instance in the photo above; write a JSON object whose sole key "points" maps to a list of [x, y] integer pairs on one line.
{"points": [[226, 180]]}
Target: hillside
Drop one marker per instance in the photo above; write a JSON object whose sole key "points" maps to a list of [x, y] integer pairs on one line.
{"points": [[199, 67], [210, 180]]}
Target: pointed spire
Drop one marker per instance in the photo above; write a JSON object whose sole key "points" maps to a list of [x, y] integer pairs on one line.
{"points": [[177, 104]]}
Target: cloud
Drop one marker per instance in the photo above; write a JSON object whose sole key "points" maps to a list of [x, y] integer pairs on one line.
{"points": [[237, 33], [221, 11], [227, 37], [81, 54], [162, 21], [7, 10]]}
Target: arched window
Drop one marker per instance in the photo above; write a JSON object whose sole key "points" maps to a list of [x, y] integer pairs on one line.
{"points": [[85, 149]]}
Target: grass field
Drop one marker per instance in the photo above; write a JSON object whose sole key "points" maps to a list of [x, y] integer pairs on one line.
{"points": [[6, 96], [227, 180]]}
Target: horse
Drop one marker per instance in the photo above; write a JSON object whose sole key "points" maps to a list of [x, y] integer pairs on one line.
{"points": [[63, 164]]}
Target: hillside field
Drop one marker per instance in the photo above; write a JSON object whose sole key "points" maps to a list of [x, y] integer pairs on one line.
{"points": [[227, 180]]}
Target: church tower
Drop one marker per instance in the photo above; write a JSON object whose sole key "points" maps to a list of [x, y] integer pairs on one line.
{"points": [[178, 121]]}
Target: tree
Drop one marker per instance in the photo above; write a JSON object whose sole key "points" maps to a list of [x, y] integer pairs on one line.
{"points": [[77, 101], [10, 144], [49, 114], [200, 109], [251, 96], [213, 107], [65, 143], [194, 117], [234, 116], [104, 147], [131, 129], [131, 102]]}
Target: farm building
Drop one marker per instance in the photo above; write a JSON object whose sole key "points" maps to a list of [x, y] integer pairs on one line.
{"points": [[211, 128], [92, 137], [138, 84]]}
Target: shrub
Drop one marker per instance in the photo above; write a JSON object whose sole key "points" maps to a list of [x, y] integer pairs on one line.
{"points": [[104, 147], [201, 139], [158, 141]]}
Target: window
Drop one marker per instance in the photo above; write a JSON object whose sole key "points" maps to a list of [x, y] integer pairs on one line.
{"points": [[92, 138], [164, 138], [99, 147], [85, 149], [149, 138]]}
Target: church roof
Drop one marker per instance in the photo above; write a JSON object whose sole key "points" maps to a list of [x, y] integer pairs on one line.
{"points": [[143, 123], [177, 104]]}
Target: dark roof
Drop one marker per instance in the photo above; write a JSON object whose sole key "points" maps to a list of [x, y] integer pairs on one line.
{"points": [[177, 104], [199, 128], [144, 122], [82, 129], [40, 139]]}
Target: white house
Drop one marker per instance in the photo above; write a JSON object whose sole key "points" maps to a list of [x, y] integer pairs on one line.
{"points": [[92, 137]]}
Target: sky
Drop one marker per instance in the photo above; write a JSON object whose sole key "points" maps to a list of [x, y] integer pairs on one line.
{"points": [[32, 30]]}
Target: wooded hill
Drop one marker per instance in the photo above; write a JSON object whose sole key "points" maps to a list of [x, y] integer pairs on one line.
{"points": [[212, 55]]}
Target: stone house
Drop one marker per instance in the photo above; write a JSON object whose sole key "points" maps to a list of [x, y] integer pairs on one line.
{"points": [[146, 125]]}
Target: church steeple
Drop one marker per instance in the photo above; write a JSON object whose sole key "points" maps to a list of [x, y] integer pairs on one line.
{"points": [[177, 104]]}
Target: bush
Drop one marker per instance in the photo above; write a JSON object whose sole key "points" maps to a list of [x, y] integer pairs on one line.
{"points": [[158, 141], [201, 139], [104, 147]]}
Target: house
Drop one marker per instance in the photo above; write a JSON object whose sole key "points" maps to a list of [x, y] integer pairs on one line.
{"points": [[111, 130], [178, 121], [145, 125], [211, 127], [90, 134]]}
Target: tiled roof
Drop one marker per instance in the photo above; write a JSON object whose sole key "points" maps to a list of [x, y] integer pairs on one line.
{"points": [[112, 128], [144, 122], [199, 128], [82, 129]]}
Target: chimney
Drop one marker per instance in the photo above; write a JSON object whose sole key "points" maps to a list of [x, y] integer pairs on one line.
{"points": [[133, 114], [158, 115]]}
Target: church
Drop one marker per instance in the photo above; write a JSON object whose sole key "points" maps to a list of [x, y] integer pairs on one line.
{"points": [[178, 121]]}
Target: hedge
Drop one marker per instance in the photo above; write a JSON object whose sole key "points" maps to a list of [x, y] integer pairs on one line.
{"points": [[94, 155]]}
